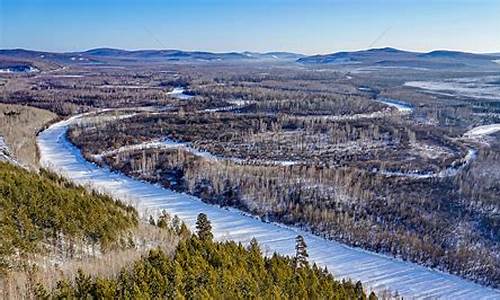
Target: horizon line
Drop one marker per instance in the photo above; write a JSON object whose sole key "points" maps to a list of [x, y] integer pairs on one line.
{"points": [[250, 51]]}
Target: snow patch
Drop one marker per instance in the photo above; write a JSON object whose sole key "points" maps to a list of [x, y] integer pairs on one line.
{"points": [[178, 93], [485, 87], [5, 153], [169, 144], [482, 131], [450, 171], [13, 70], [401, 106], [67, 76]]}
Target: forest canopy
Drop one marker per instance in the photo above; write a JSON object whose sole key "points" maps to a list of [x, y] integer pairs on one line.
{"points": [[204, 269], [40, 210]]}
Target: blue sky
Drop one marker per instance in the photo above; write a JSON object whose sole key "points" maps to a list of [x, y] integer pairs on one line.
{"points": [[309, 26]]}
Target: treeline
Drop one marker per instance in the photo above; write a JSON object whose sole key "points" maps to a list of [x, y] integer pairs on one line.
{"points": [[43, 212], [366, 144], [334, 189], [83, 92], [279, 100], [203, 269]]}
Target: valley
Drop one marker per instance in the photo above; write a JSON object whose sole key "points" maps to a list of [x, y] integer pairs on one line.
{"points": [[386, 161], [379, 272]]}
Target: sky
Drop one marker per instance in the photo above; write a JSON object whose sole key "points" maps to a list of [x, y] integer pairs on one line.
{"points": [[308, 26]]}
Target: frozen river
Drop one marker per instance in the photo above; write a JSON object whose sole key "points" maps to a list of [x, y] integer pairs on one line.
{"points": [[375, 271]]}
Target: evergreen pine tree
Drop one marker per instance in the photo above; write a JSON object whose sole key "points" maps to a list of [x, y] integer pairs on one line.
{"points": [[163, 220], [183, 231], [176, 223], [372, 296], [300, 252], [203, 227]]}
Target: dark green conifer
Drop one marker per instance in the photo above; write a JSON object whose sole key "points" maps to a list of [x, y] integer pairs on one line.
{"points": [[300, 252], [204, 227]]}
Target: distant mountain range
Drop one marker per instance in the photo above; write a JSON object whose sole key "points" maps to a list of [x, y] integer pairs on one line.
{"points": [[379, 57], [107, 54], [397, 58]]}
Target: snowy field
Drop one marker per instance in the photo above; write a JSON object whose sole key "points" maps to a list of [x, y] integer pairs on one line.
{"points": [[375, 271], [485, 87]]}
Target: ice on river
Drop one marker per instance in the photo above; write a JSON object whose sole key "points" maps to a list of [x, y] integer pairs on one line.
{"points": [[375, 271]]}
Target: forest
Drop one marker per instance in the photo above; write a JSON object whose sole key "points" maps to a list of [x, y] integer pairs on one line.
{"points": [[318, 148], [201, 268], [321, 175], [41, 212]]}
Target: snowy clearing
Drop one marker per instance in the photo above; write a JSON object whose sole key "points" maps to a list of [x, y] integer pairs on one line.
{"points": [[401, 106], [133, 87], [67, 76], [14, 70], [450, 171], [178, 93], [486, 87], [169, 144], [481, 131], [375, 271]]}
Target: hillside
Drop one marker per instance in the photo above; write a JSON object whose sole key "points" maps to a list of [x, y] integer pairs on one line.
{"points": [[203, 269], [390, 57], [18, 127], [40, 212], [10, 57], [42, 215]]}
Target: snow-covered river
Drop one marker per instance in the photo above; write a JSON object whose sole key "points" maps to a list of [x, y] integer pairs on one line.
{"points": [[375, 271]]}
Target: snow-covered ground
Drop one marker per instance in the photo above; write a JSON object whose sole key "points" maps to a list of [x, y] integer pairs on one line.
{"points": [[67, 76], [481, 131], [376, 271], [169, 144], [235, 104], [373, 115], [133, 87], [401, 106], [5, 153], [178, 93], [485, 87], [450, 171], [14, 70]]}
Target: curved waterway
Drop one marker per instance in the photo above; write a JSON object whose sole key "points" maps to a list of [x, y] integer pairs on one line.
{"points": [[376, 271]]}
